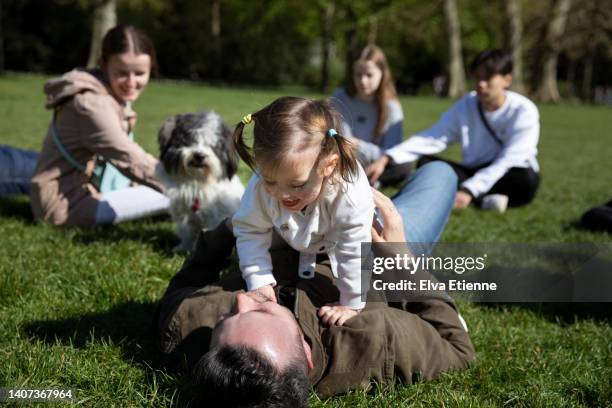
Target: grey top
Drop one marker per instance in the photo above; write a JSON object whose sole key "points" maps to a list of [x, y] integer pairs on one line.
{"points": [[359, 121]]}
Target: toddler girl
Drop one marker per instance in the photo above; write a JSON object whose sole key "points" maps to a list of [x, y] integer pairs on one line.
{"points": [[308, 187]]}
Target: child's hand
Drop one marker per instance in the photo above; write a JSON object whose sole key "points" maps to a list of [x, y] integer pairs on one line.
{"points": [[265, 293], [335, 314]]}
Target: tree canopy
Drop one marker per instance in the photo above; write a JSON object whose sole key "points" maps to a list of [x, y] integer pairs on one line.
{"points": [[292, 42]]}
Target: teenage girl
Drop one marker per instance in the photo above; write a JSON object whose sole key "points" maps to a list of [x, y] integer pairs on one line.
{"points": [[372, 117]]}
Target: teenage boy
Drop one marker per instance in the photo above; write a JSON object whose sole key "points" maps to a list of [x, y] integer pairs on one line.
{"points": [[498, 130]]}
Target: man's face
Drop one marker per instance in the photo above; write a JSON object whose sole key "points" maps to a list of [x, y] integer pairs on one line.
{"points": [[491, 88], [262, 325]]}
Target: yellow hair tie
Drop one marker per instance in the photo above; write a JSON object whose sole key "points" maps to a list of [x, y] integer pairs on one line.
{"points": [[247, 119]]}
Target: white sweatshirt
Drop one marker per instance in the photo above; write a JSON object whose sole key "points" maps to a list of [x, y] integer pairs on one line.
{"points": [[336, 223], [516, 123]]}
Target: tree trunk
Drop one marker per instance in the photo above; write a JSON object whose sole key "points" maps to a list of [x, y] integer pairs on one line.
{"points": [[456, 72], [105, 18], [327, 14], [597, 13], [547, 89], [352, 42], [587, 79], [215, 33], [571, 77], [514, 41], [373, 30], [1, 41]]}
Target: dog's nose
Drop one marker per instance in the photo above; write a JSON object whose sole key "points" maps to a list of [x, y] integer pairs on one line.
{"points": [[198, 158]]}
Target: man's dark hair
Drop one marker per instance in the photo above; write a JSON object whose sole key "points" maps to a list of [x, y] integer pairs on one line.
{"points": [[494, 62], [238, 376]]}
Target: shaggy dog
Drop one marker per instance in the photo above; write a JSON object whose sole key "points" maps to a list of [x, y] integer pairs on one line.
{"points": [[199, 172]]}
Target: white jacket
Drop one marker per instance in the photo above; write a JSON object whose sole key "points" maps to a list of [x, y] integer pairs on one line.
{"points": [[516, 123], [336, 223]]}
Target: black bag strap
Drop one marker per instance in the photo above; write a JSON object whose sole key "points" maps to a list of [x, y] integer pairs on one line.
{"points": [[487, 125]]}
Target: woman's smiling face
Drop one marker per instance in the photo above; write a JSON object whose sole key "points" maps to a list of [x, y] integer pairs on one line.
{"points": [[128, 74]]}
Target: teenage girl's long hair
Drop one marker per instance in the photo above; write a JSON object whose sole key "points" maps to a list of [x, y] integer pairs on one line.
{"points": [[385, 92]]}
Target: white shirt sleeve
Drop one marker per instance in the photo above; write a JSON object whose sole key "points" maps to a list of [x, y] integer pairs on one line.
{"points": [[253, 231], [431, 141], [518, 149], [353, 223]]}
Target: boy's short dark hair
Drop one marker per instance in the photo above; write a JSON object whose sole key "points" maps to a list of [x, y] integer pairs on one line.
{"points": [[496, 61], [242, 377]]}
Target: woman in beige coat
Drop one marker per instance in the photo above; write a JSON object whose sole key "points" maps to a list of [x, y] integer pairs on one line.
{"points": [[92, 118]]}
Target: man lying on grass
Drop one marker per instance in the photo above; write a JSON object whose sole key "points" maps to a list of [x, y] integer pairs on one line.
{"points": [[246, 350]]}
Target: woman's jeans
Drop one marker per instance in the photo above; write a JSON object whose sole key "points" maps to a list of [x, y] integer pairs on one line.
{"points": [[16, 169], [425, 203]]}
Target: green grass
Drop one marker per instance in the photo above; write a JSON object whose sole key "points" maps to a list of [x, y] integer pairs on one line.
{"points": [[76, 305]]}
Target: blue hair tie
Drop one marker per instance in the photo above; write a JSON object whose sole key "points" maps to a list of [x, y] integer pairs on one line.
{"points": [[332, 132]]}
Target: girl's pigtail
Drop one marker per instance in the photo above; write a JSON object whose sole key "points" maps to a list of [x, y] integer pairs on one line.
{"points": [[348, 161], [241, 148], [347, 166]]}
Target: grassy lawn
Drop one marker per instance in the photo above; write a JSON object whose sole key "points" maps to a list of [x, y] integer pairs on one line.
{"points": [[76, 305]]}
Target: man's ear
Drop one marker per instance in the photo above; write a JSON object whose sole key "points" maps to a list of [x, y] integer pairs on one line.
{"points": [[308, 352], [330, 165]]}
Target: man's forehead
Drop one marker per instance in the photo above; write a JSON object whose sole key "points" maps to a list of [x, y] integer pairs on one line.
{"points": [[256, 328], [265, 310]]}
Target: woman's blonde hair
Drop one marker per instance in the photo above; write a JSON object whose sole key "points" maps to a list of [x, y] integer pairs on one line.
{"points": [[293, 125], [386, 90]]}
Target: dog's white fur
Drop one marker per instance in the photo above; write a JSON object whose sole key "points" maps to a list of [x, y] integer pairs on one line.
{"points": [[217, 195]]}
